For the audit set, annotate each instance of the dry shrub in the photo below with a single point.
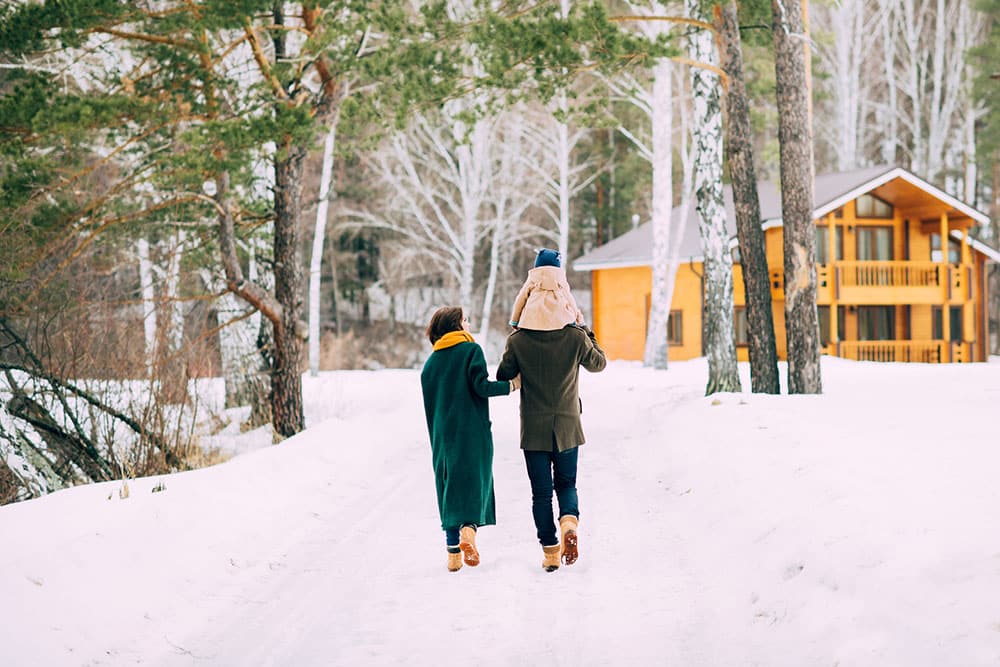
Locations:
(376, 346)
(194, 455)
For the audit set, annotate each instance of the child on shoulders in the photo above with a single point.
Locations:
(545, 302)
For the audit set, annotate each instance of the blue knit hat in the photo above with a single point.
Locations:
(547, 257)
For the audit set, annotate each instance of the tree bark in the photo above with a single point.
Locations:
(795, 143)
(756, 276)
(657, 352)
(994, 269)
(286, 378)
(148, 303)
(720, 347)
(319, 235)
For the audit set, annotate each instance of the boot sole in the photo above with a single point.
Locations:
(469, 554)
(570, 550)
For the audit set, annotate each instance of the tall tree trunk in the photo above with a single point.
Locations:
(795, 143)
(720, 348)
(656, 352)
(891, 114)
(175, 322)
(148, 304)
(563, 154)
(756, 276)
(316, 263)
(286, 377)
(994, 269)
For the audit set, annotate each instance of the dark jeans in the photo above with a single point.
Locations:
(451, 537)
(548, 471)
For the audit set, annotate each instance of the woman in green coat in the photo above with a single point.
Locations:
(456, 387)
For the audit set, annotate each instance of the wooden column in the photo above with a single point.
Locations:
(968, 298)
(831, 221)
(945, 290)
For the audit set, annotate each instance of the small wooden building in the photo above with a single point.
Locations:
(887, 292)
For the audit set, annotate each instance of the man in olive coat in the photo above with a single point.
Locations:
(549, 364)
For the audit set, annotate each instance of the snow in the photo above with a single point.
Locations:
(857, 527)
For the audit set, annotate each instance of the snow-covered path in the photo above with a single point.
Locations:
(852, 528)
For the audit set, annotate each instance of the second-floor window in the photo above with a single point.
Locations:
(874, 244)
(823, 244)
(954, 250)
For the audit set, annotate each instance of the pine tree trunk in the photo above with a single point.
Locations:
(795, 143)
(756, 277)
(286, 378)
(720, 347)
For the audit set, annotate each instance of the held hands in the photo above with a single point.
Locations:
(515, 384)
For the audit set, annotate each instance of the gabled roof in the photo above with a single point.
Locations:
(830, 192)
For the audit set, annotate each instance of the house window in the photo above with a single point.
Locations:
(874, 244)
(876, 323)
(824, 324)
(954, 250)
(870, 206)
(823, 242)
(675, 328)
(740, 329)
(675, 325)
(954, 321)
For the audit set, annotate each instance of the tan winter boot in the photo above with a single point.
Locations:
(567, 526)
(454, 561)
(550, 558)
(467, 543)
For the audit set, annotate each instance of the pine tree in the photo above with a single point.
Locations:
(795, 138)
(200, 95)
(753, 259)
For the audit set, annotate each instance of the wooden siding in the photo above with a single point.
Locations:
(620, 301)
(621, 296)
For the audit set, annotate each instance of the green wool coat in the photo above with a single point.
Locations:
(549, 363)
(456, 388)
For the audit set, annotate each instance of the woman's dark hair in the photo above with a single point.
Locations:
(444, 320)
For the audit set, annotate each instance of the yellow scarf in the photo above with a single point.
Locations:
(453, 338)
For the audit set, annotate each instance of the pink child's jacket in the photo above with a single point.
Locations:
(545, 302)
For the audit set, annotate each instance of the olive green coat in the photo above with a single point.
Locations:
(456, 388)
(549, 363)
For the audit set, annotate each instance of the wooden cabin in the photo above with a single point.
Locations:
(887, 292)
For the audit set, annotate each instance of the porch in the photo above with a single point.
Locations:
(917, 351)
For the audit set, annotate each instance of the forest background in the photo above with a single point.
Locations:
(256, 189)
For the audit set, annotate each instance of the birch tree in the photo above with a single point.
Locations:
(319, 235)
(446, 198)
(851, 24)
(717, 330)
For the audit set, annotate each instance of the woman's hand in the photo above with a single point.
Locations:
(515, 384)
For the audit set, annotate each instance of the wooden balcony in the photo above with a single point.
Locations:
(919, 351)
(880, 283)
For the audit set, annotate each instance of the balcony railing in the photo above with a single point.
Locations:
(928, 351)
(890, 274)
(886, 282)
